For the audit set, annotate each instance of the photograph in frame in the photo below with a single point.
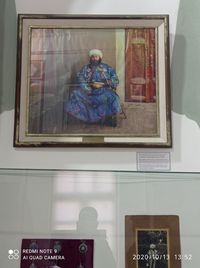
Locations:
(93, 81)
(152, 241)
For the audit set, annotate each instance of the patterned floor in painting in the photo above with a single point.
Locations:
(137, 119)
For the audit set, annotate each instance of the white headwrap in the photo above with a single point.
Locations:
(96, 52)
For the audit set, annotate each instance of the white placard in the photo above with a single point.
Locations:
(153, 161)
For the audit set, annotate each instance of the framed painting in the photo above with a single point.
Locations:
(152, 241)
(93, 81)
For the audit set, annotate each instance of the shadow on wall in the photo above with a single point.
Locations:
(186, 61)
(8, 33)
(2, 9)
(87, 225)
(178, 74)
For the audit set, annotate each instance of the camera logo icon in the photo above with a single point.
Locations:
(13, 254)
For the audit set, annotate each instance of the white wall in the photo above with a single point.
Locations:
(186, 133)
(28, 200)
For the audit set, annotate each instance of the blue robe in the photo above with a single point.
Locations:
(93, 105)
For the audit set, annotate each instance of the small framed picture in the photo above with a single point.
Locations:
(93, 81)
(152, 241)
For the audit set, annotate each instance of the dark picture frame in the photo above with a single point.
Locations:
(152, 241)
(131, 106)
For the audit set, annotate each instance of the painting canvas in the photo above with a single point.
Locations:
(93, 81)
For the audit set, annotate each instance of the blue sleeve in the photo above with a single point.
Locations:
(112, 76)
(82, 79)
